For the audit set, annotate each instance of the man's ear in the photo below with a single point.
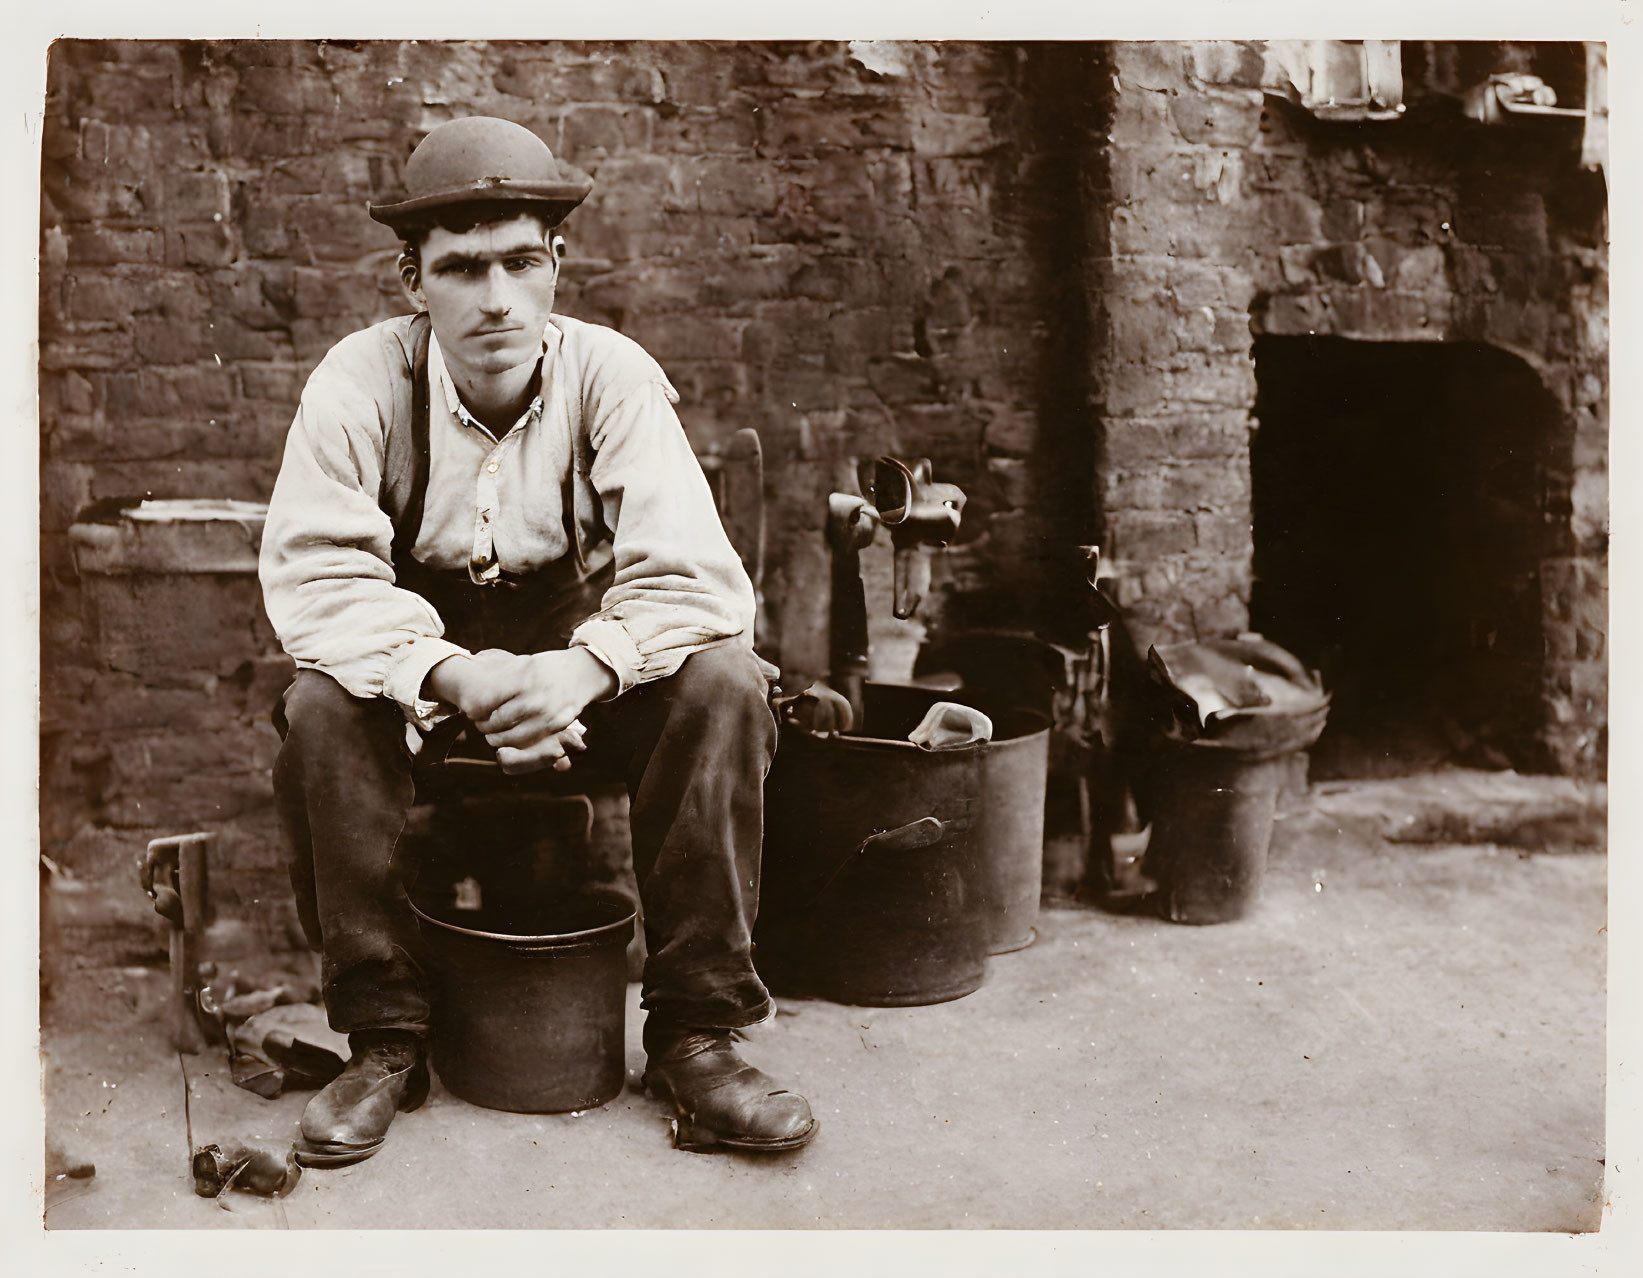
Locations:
(410, 275)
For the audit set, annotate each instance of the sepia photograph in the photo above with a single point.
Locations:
(897, 634)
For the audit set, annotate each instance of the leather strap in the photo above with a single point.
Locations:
(408, 522)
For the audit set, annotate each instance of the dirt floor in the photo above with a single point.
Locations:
(1403, 1035)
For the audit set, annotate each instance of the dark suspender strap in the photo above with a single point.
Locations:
(409, 523)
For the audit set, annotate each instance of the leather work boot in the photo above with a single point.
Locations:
(720, 1101)
(348, 1120)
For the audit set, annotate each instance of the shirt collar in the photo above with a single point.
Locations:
(439, 376)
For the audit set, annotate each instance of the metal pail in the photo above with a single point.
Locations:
(867, 895)
(1006, 849)
(529, 1000)
(1211, 829)
(1010, 851)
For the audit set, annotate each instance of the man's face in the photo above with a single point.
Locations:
(489, 292)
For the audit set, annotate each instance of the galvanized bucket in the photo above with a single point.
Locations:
(865, 897)
(1006, 850)
(891, 872)
(529, 1000)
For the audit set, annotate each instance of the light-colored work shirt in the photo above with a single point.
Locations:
(597, 468)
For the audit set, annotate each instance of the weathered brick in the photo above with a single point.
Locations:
(1011, 432)
(102, 246)
(105, 349)
(856, 335)
(69, 392)
(260, 137)
(1222, 118)
(1141, 536)
(1419, 268)
(689, 336)
(158, 392)
(1293, 314)
(905, 377)
(803, 126)
(1014, 482)
(194, 197)
(1514, 220)
(1143, 232)
(1220, 381)
(1368, 313)
(1175, 486)
(1196, 329)
(78, 191)
(526, 73)
(804, 65)
(1194, 284)
(255, 53)
(1141, 118)
(711, 184)
(97, 295)
(1343, 218)
(945, 133)
(717, 384)
(278, 383)
(1349, 264)
(132, 93)
(1292, 217)
(1224, 534)
(593, 131)
(1232, 332)
(283, 90)
(1144, 330)
(203, 244)
(1151, 65)
(1233, 62)
(697, 129)
(319, 291)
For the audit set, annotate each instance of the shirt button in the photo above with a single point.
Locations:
(492, 468)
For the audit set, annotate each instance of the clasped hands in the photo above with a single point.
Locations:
(527, 704)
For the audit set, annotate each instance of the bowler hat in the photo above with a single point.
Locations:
(483, 159)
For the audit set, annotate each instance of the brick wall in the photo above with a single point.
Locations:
(1495, 236)
(848, 250)
(1041, 265)
(1231, 213)
(1173, 367)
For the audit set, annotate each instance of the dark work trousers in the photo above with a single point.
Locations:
(694, 748)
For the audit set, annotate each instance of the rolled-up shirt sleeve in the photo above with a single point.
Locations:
(679, 585)
(326, 561)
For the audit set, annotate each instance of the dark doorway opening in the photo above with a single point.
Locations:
(1398, 498)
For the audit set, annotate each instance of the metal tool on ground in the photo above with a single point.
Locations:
(287, 1048)
(265, 1167)
(256, 1166)
(175, 875)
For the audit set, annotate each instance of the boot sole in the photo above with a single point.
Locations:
(338, 1156)
(699, 1140)
(694, 1138)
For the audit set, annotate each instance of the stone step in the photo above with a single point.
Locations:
(1461, 805)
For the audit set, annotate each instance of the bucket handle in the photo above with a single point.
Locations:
(904, 838)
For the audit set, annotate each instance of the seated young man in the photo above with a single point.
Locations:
(490, 510)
